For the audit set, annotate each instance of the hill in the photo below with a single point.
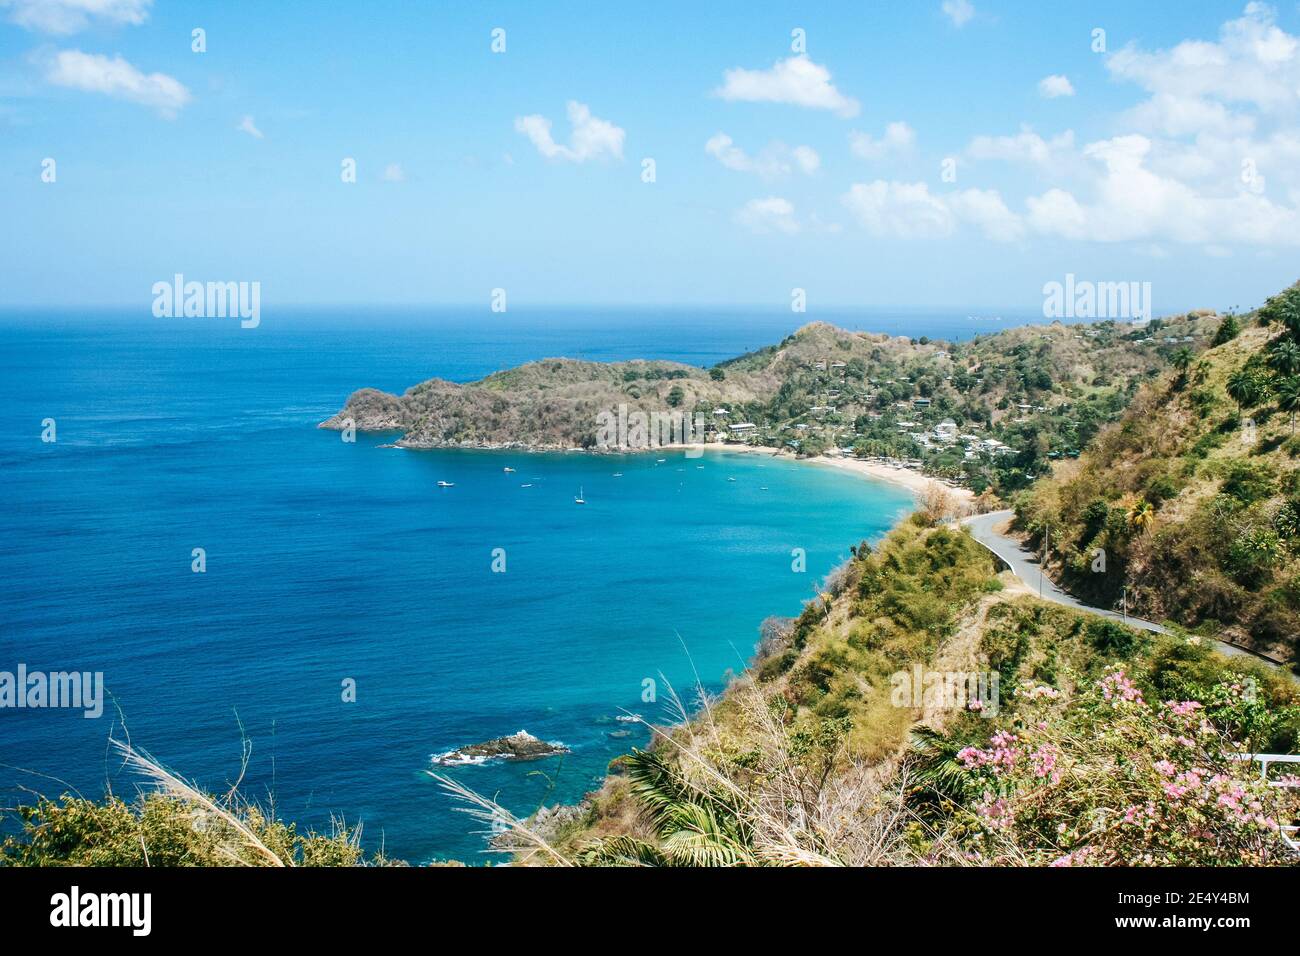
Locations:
(1189, 506)
(991, 412)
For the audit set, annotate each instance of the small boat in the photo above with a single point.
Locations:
(618, 474)
(508, 470)
(446, 484)
(579, 500)
(660, 461)
(529, 485)
(731, 479)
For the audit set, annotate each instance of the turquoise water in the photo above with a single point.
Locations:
(328, 561)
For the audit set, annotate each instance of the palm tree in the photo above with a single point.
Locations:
(695, 825)
(1243, 388)
(1284, 357)
(1288, 397)
(1141, 516)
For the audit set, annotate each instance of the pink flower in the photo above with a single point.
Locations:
(1118, 689)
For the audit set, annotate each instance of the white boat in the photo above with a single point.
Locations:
(731, 479)
(446, 484)
(507, 470)
(579, 500)
(618, 474)
(529, 485)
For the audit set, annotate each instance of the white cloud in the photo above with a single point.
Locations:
(95, 73)
(1209, 158)
(1253, 64)
(1025, 147)
(1134, 203)
(772, 214)
(68, 16)
(898, 138)
(984, 209)
(393, 173)
(807, 159)
(911, 211)
(591, 137)
(774, 161)
(1050, 87)
(960, 12)
(902, 210)
(246, 125)
(797, 81)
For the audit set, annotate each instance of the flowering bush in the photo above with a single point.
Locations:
(1116, 780)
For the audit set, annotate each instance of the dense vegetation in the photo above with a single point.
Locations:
(1191, 504)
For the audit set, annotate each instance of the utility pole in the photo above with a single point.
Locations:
(1042, 561)
(1125, 604)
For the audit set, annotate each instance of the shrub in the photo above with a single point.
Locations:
(1113, 638)
(1249, 481)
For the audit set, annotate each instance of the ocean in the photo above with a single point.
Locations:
(329, 565)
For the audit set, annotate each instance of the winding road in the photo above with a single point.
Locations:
(1024, 565)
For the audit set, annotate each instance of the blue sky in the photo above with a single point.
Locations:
(1173, 157)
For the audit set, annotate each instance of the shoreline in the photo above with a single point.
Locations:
(913, 481)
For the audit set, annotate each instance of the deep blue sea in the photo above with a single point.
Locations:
(327, 561)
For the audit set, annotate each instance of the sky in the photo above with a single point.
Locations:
(955, 153)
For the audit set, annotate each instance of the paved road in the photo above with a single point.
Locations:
(1027, 568)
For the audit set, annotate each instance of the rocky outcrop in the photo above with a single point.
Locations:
(520, 746)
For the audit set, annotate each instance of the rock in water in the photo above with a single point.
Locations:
(520, 746)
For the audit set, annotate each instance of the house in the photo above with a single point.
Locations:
(921, 402)
(743, 427)
(946, 430)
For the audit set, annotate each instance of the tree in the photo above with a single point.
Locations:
(935, 502)
(675, 396)
(1228, 330)
(1288, 397)
(717, 374)
(1141, 516)
(1243, 388)
(1284, 357)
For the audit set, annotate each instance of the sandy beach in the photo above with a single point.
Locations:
(914, 481)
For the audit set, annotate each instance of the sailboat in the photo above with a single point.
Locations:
(579, 500)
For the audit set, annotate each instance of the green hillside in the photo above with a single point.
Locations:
(1190, 505)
